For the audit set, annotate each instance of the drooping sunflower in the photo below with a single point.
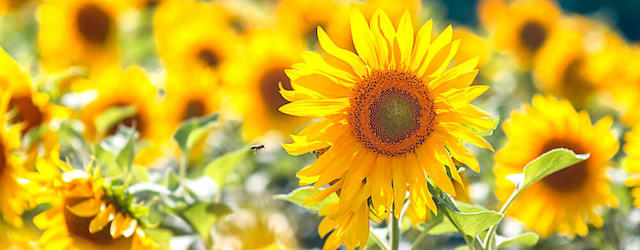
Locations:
(254, 229)
(117, 88)
(81, 215)
(563, 202)
(522, 27)
(194, 36)
(578, 60)
(267, 54)
(14, 197)
(78, 32)
(391, 116)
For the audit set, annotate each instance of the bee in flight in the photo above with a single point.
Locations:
(257, 147)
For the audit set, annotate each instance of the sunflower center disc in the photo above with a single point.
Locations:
(79, 226)
(208, 58)
(28, 112)
(195, 108)
(93, 23)
(572, 177)
(269, 88)
(391, 112)
(532, 35)
(394, 115)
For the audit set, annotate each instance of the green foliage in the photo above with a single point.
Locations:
(219, 168)
(299, 195)
(526, 239)
(116, 153)
(192, 130)
(204, 215)
(547, 164)
(112, 116)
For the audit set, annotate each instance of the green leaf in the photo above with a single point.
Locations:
(192, 130)
(489, 132)
(219, 168)
(140, 173)
(526, 239)
(473, 219)
(160, 236)
(547, 164)
(202, 216)
(116, 153)
(113, 116)
(299, 195)
(442, 227)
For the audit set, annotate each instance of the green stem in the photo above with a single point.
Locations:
(182, 169)
(394, 230)
(378, 241)
(488, 241)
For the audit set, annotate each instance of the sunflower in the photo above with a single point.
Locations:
(392, 116)
(18, 238)
(522, 27)
(471, 45)
(563, 202)
(32, 108)
(11, 5)
(577, 61)
(81, 215)
(267, 54)
(632, 162)
(118, 88)
(254, 229)
(78, 32)
(13, 199)
(194, 36)
(625, 87)
(302, 17)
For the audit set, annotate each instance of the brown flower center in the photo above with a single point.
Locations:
(533, 35)
(195, 108)
(270, 91)
(391, 112)
(208, 58)
(28, 112)
(570, 178)
(94, 23)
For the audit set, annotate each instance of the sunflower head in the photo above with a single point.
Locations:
(522, 27)
(78, 32)
(563, 202)
(83, 215)
(390, 117)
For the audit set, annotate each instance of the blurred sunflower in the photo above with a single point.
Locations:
(563, 202)
(78, 32)
(577, 61)
(632, 162)
(303, 17)
(471, 45)
(255, 95)
(82, 216)
(387, 115)
(10, 5)
(32, 108)
(522, 27)
(254, 229)
(14, 197)
(625, 85)
(129, 94)
(194, 36)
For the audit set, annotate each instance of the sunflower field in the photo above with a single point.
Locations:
(319, 124)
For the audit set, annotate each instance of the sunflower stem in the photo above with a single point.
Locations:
(394, 230)
(488, 241)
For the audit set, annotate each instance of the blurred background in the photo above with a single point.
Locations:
(175, 60)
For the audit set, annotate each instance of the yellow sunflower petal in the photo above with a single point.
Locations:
(315, 107)
(102, 219)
